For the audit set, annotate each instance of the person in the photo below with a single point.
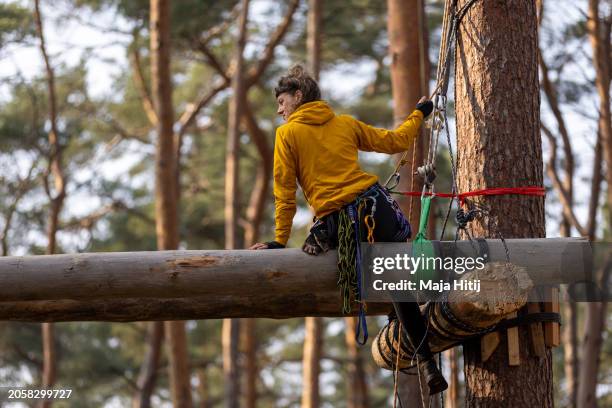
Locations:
(318, 149)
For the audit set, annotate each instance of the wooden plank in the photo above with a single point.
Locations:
(488, 344)
(514, 354)
(552, 336)
(536, 332)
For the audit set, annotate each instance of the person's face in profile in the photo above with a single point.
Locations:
(288, 103)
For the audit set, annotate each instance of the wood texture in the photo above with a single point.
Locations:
(219, 273)
(499, 145)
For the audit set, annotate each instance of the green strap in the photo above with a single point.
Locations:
(421, 246)
(425, 207)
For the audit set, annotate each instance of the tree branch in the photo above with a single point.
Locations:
(141, 85)
(220, 28)
(256, 72)
(554, 176)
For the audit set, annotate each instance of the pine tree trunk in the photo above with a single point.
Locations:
(231, 327)
(166, 197)
(599, 35)
(250, 362)
(570, 351)
(231, 378)
(357, 384)
(313, 338)
(499, 145)
(254, 213)
(408, 44)
(451, 399)
(312, 357)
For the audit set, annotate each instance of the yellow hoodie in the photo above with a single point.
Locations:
(319, 150)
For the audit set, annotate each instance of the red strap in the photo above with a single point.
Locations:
(532, 191)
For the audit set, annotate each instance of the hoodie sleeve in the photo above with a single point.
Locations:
(371, 139)
(285, 186)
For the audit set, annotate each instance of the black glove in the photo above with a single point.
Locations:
(318, 240)
(425, 107)
(310, 245)
(274, 245)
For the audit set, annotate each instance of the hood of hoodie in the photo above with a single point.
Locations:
(312, 113)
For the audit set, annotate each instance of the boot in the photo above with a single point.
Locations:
(433, 376)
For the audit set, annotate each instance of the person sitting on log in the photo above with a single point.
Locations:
(318, 149)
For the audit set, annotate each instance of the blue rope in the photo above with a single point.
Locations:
(361, 319)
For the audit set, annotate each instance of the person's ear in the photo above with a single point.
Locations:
(298, 96)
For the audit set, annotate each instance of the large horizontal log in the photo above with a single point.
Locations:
(180, 285)
(183, 274)
(196, 308)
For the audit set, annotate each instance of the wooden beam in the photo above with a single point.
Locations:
(551, 329)
(181, 285)
(514, 354)
(194, 308)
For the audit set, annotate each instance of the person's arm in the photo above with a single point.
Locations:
(285, 186)
(374, 139)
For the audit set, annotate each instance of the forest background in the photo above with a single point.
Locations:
(78, 136)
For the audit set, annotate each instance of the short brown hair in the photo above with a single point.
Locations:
(297, 79)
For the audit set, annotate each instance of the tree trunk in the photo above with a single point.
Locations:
(313, 326)
(250, 362)
(451, 399)
(254, 215)
(166, 197)
(408, 45)
(231, 378)
(148, 370)
(56, 199)
(599, 35)
(570, 351)
(499, 145)
(312, 356)
(357, 384)
(203, 387)
(231, 328)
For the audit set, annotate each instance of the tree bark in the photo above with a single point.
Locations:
(313, 326)
(598, 29)
(231, 327)
(241, 273)
(499, 145)
(166, 188)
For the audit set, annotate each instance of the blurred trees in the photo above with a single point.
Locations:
(109, 157)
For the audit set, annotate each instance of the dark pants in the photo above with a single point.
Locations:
(391, 226)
